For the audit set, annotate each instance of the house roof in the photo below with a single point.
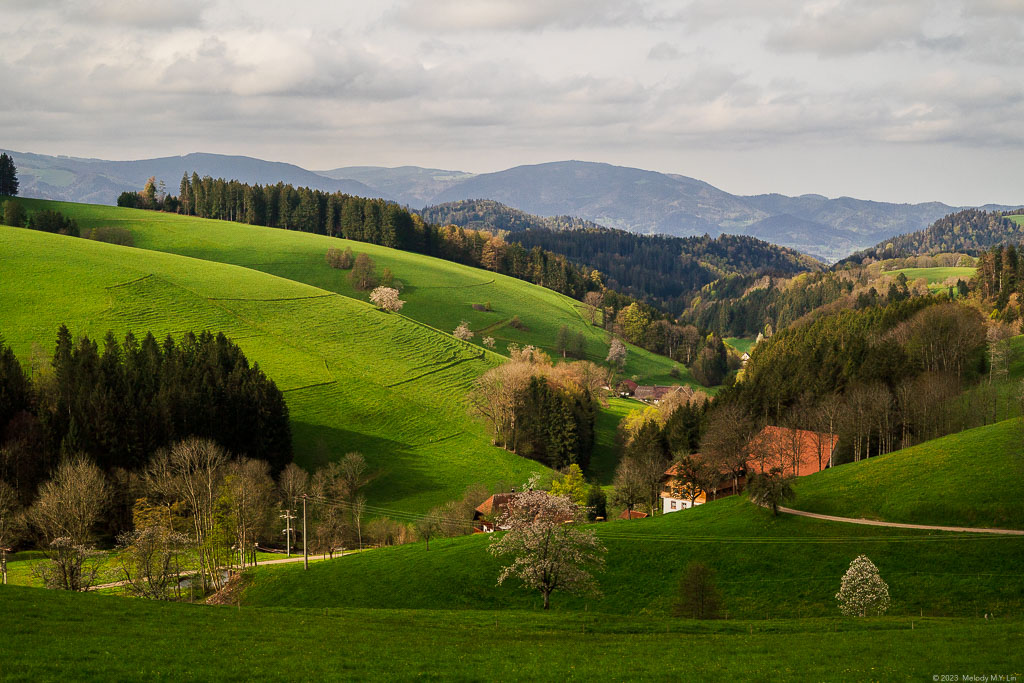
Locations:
(795, 450)
(632, 514)
(656, 392)
(628, 384)
(494, 504)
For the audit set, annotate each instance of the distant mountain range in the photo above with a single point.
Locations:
(631, 199)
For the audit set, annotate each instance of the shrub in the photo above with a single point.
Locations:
(698, 598)
(342, 260)
(363, 275)
(517, 323)
(53, 221)
(14, 213)
(112, 235)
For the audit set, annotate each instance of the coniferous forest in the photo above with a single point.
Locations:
(121, 401)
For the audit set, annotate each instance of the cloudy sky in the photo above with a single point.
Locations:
(880, 99)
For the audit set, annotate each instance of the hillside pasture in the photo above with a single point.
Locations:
(973, 478)
(438, 293)
(767, 567)
(937, 276)
(741, 344)
(354, 378)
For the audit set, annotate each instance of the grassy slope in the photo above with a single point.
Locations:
(741, 344)
(779, 567)
(438, 293)
(974, 478)
(935, 276)
(606, 447)
(354, 378)
(1019, 220)
(49, 634)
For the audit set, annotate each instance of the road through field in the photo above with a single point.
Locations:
(897, 525)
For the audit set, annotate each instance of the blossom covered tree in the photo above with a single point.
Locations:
(463, 332)
(617, 353)
(549, 552)
(386, 299)
(863, 592)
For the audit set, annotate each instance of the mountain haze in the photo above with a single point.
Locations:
(645, 202)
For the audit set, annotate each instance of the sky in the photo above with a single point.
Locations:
(891, 100)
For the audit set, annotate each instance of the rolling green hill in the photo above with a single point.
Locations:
(974, 478)
(935, 276)
(438, 293)
(767, 566)
(354, 378)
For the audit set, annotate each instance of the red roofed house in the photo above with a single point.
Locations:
(798, 452)
(632, 514)
(657, 393)
(627, 387)
(487, 512)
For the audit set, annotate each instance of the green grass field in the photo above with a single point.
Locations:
(974, 478)
(1018, 219)
(741, 344)
(768, 567)
(935, 276)
(606, 447)
(46, 635)
(354, 378)
(438, 293)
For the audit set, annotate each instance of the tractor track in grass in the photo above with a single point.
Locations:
(899, 525)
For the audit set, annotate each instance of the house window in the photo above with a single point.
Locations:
(673, 503)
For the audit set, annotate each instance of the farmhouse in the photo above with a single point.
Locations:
(654, 394)
(674, 492)
(627, 387)
(487, 512)
(797, 452)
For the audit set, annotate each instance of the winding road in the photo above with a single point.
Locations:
(897, 525)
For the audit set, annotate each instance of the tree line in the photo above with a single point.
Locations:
(121, 402)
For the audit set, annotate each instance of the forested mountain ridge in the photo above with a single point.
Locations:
(628, 198)
(970, 231)
(487, 214)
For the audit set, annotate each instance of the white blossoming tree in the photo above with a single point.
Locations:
(863, 592)
(463, 332)
(549, 552)
(489, 342)
(386, 299)
(617, 353)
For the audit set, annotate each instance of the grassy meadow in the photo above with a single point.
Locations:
(741, 344)
(767, 567)
(355, 379)
(973, 478)
(935, 276)
(48, 634)
(438, 293)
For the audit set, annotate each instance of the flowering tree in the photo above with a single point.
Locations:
(863, 592)
(548, 551)
(617, 353)
(463, 332)
(489, 342)
(386, 299)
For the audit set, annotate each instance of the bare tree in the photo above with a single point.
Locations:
(726, 440)
(10, 523)
(497, 396)
(192, 472)
(363, 275)
(69, 506)
(592, 304)
(549, 552)
(248, 493)
(149, 560)
(630, 487)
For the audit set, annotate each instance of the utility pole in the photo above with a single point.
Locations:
(305, 547)
(288, 517)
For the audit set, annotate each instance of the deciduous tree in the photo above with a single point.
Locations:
(863, 593)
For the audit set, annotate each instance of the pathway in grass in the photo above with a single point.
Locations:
(974, 478)
(355, 379)
(766, 566)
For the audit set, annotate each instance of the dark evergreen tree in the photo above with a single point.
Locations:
(8, 176)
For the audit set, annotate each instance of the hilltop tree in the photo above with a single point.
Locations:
(549, 552)
(8, 177)
(863, 592)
